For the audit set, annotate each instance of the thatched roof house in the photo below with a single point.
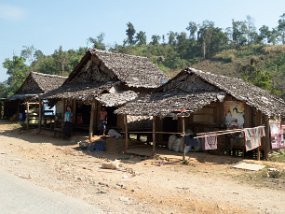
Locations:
(206, 103)
(36, 84)
(193, 89)
(100, 72)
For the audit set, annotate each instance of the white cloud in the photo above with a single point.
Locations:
(11, 13)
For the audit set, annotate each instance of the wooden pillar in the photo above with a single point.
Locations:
(126, 133)
(260, 123)
(268, 139)
(27, 115)
(91, 124)
(153, 134)
(74, 112)
(183, 135)
(40, 114)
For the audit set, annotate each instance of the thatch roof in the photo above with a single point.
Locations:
(116, 98)
(193, 89)
(98, 71)
(134, 71)
(87, 91)
(36, 84)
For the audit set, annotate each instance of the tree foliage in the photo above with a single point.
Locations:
(174, 51)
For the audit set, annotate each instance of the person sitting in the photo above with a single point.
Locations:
(191, 142)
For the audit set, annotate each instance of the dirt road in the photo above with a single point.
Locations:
(21, 196)
(208, 184)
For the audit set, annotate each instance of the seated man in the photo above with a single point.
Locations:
(191, 142)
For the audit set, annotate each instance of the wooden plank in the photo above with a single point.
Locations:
(91, 124)
(153, 134)
(150, 132)
(126, 133)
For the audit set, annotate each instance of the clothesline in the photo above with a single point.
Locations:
(222, 132)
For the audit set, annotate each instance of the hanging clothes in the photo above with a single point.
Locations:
(253, 137)
(210, 142)
(276, 133)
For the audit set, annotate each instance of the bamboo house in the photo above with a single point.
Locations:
(202, 102)
(107, 79)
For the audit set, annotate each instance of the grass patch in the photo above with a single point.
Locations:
(277, 156)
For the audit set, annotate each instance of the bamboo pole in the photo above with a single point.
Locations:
(27, 115)
(91, 124)
(126, 133)
(153, 134)
(183, 136)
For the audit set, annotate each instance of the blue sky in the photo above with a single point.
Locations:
(48, 24)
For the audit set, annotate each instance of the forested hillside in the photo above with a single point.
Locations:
(242, 50)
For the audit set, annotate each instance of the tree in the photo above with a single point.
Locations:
(172, 38)
(281, 27)
(17, 71)
(264, 34)
(38, 54)
(239, 30)
(98, 41)
(182, 44)
(252, 36)
(61, 59)
(192, 28)
(141, 38)
(28, 53)
(130, 32)
(211, 39)
(155, 39)
(274, 36)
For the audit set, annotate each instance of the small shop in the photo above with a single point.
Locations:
(30, 110)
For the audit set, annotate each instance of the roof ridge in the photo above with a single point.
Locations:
(94, 51)
(49, 75)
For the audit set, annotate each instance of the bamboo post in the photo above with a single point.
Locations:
(183, 136)
(126, 133)
(40, 114)
(91, 124)
(153, 134)
(27, 115)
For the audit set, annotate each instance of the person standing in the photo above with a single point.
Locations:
(102, 126)
(67, 122)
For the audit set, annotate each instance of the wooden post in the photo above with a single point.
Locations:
(74, 112)
(91, 124)
(40, 114)
(268, 141)
(126, 133)
(27, 115)
(260, 123)
(153, 134)
(183, 136)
